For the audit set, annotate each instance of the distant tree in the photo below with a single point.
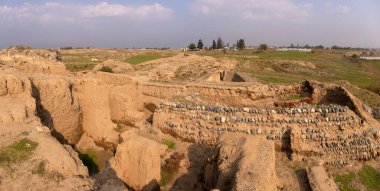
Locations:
(200, 44)
(213, 44)
(192, 46)
(306, 46)
(67, 48)
(240, 44)
(319, 47)
(219, 43)
(292, 45)
(263, 47)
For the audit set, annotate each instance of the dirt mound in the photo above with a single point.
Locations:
(319, 180)
(30, 158)
(116, 66)
(245, 163)
(142, 157)
(37, 54)
(17, 103)
(182, 68)
(58, 107)
(33, 60)
(93, 95)
(45, 163)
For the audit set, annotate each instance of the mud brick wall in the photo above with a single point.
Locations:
(316, 130)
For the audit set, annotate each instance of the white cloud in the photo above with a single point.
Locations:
(56, 12)
(333, 8)
(253, 9)
(104, 9)
(154, 9)
(343, 9)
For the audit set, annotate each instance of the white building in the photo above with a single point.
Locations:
(294, 49)
(369, 58)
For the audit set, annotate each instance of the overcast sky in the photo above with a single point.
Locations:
(176, 23)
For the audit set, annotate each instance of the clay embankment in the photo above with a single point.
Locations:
(93, 104)
(35, 61)
(333, 133)
(19, 123)
(243, 162)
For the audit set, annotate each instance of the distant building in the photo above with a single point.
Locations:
(369, 58)
(294, 49)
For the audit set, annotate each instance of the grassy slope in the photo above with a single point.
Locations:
(81, 60)
(344, 181)
(17, 152)
(292, 67)
(370, 178)
(282, 67)
(367, 177)
(146, 57)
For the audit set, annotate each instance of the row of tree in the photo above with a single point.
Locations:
(218, 44)
(240, 45)
(335, 47)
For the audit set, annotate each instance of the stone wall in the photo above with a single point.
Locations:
(333, 132)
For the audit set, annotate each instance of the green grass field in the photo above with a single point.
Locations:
(146, 57)
(270, 67)
(370, 178)
(79, 67)
(80, 60)
(291, 67)
(344, 181)
(274, 67)
(367, 177)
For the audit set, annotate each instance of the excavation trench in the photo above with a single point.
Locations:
(95, 125)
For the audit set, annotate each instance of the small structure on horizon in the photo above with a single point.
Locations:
(369, 58)
(294, 49)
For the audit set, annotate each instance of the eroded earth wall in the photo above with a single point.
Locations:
(333, 132)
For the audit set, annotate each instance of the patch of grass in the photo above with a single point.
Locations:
(370, 178)
(40, 169)
(167, 174)
(269, 55)
(17, 152)
(375, 88)
(106, 69)
(170, 144)
(119, 127)
(146, 57)
(55, 175)
(79, 67)
(90, 159)
(295, 97)
(344, 181)
(295, 165)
